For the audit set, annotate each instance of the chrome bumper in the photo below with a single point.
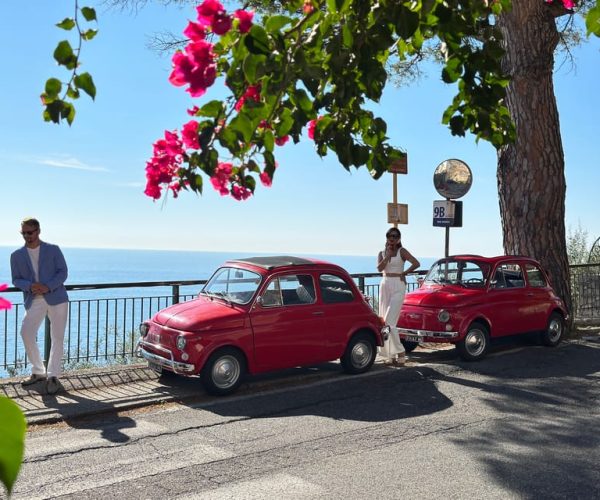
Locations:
(175, 366)
(422, 334)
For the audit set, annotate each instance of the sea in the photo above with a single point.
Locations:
(101, 266)
(96, 332)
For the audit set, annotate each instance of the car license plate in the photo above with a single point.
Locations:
(412, 338)
(155, 367)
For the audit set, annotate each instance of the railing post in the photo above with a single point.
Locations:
(361, 283)
(175, 294)
(47, 340)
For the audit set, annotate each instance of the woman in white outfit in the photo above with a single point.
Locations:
(390, 262)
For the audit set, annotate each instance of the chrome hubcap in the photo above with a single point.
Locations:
(361, 354)
(226, 372)
(554, 330)
(475, 342)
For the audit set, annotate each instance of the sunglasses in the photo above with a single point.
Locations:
(29, 233)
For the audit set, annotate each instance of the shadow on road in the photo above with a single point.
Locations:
(543, 439)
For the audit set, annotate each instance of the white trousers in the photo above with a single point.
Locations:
(29, 329)
(391, 296)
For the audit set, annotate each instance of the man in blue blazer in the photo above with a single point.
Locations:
(40, 271)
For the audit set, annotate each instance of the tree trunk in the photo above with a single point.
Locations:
(531, 180)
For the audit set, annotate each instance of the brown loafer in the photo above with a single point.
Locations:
(34, 378)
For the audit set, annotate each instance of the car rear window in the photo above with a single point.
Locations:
(335, 289)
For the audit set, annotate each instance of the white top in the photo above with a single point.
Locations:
(34, 256)
(395, 264)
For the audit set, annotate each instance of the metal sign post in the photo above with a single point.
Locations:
(397, 212)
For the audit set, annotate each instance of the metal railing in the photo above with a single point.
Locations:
(103, 329)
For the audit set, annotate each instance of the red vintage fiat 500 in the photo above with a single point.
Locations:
(468, 300)
(262, 314)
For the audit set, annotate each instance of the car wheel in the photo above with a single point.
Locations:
(554, 331)
(223, 372)
(360, 354)
(475, 344)
(409, 346)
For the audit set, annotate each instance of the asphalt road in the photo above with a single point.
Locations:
(523, 423)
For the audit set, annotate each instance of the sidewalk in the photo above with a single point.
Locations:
(125, 387)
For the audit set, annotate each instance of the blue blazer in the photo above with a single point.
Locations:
(52, 273)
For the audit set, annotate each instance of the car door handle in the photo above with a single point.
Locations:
(318, 313)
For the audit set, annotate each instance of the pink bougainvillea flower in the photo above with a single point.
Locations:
(311, 129)
(207, 10)
(265, 179)
(569, 4)
(221, 23)
(240, 193)
(165, 162)
(252, 92)
(308, 7)
(189, 135)
(280, 141)
(245, 19)
(153, 191)
(194, 66)
(220, 179)
(4, 304)
(193, 111)
(195, 31)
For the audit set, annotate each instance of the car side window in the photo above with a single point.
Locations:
(535, 277)
(289, 289)
(335, 289)
(508, 276)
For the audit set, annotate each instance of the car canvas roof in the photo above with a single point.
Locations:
(272, 262)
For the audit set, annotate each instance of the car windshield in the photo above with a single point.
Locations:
(466, 273)
(232, 284)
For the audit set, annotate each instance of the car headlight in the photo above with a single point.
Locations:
(181, 343)
(444, 316)
(144, 329)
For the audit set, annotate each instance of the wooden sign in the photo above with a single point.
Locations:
(397, 213)
(399, 166)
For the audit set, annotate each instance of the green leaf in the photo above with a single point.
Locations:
(85, 83)
(257, 40)
(63, 54)
(407, 22)
(53, 110)
(66, 24)
(592, 21)
(251, 65)
(72, 92)
(12, 441)
(212, 108)
(452, 71)
(269, 140)
(89, 34)
(68, 112)
(89, 13)
(53, 87)
(275, 23)
(242, 126)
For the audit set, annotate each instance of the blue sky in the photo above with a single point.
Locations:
(85, 183)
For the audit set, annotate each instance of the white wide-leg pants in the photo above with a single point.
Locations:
(29, 328)
(391, 296)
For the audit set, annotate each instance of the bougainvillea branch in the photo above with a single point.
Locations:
(58, 96)
(324, 59)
